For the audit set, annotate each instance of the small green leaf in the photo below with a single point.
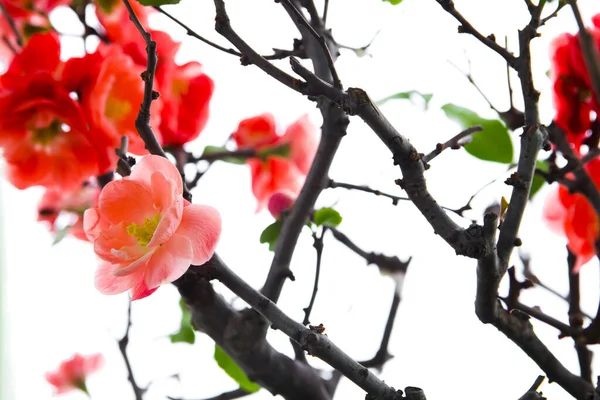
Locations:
(493, 143)
(410, 95)
(157, 2)
(327, 217)
(234, 371)
(271, 234)
(186, 332)
(107, 6)
(60, 235)
(538, 181)
(216, 149)
(393, 2)
(281, 151)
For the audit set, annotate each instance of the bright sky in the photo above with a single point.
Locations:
(52, 310)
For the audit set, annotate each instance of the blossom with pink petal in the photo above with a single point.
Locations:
(280, 202)
(284, 159)
(145, 233)
(72, 373)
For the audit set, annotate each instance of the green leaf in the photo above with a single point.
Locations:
(186, 332)
(393, 2)
(493, 143)
(234, 371)
(281, 151)
(157, 2)
(107, 6)
(327, 217)
(60, 235)
(271, 234)
(538, 181)
(410, 95)
(216, 149)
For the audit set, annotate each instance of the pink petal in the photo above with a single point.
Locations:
(169, 221)
(169, 261)
(140, 290)
(106, 282)
(91, 223)
(126, 200)
(202, 225)
(163, 191)
(302, 137)
(148, 165)
(134, 266)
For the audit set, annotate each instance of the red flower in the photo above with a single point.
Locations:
(284, 160)
(572, 215)
(71, 204)
(30, 17)
(110, 90)
(572, 93)
(185, 90)
(280, 202)
(72, 373)
(43, 131)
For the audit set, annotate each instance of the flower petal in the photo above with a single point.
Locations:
(169, 261)
(202, 226)
(106, 282)
(127, 201)
(169, 221)
(148, 165)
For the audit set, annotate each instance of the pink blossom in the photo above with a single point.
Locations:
(145, 233)
(72, 373)
(280, 202)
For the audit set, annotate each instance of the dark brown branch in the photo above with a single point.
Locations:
(395, 199)
(301, 21)
(335, 122)
(123, 343)
(311, 340)
(453, 143)
(584, 355)
(516, 325)
(142, 122)
(532, 393)
(232, 395)
(386, 264)
(233, 331)
(318, 245)
(383, 354)
(466, 27)
(354, 101)
(278, 53)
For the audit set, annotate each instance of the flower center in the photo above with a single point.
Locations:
(44, 136)
(116, 109)
(143, 233)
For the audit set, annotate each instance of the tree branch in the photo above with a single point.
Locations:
(311, 340)
(123, 343)
(318, 245)
(454, 143)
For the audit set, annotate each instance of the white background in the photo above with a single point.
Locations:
(52, 310)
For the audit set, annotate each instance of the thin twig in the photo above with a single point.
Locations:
(532, 393)
(325, 11)
(386, 264)
(318, 245)
(299, 18)
(454, 143)
(142, 122)
(312, 340)
(220, 155)
(13, 25)
(584, 355)
(383, 354)
(466, 27)
(231, 395)
(278, 54)
(123, 343)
